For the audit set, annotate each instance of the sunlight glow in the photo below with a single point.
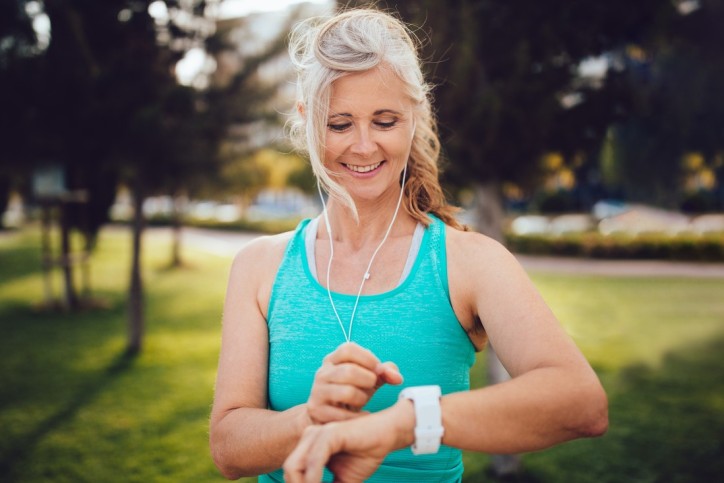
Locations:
(240, 8)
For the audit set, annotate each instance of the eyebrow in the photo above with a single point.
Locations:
(378, 112)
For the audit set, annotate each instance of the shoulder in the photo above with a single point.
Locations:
(261, 255)
(476, 250)
(481, 268)
(254, 269)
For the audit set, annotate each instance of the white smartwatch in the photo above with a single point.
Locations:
(428, 418)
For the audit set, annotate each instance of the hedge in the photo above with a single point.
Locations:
(659, 246)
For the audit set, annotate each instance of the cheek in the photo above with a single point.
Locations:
(400, 147)
(332, 150)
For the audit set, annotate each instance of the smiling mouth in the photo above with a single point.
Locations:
(363, 169)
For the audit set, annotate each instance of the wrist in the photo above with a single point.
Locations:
(303, 420)
(402, 420)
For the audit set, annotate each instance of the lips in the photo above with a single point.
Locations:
(363, 169)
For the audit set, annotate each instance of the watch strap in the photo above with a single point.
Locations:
(428, 418)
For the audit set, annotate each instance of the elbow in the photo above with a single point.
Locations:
(599, 424)
(230, 472)
(595, 427)
(227, 471)
(222, 461)
(594, 421)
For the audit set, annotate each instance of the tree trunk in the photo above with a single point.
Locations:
(70, 299)
(5, 191)
(179, 204)
(47, 254)
(135, 296)
(489, 219)
(489, 212)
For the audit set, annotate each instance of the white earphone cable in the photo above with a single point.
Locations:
(366, 276)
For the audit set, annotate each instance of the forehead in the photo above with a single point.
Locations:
(366, 92)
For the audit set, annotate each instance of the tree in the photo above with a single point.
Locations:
(100, 100)
(677, 104)
(19, 48)
(158, 141)
(50, 110)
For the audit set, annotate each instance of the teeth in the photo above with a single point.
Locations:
(363, 169)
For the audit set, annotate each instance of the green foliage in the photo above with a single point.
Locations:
(508, 89)
(675, 104)
(646, 246)
(102, 100)
(501, 69)
(558, 201)
(701, 202)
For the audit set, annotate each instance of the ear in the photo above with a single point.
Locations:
(300, 109)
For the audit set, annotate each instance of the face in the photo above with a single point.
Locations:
(369, 133)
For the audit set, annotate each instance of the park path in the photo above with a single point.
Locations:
(226, 243)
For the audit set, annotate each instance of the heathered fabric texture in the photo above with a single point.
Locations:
(412, 325)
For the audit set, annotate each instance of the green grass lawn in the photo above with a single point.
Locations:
(74, 408)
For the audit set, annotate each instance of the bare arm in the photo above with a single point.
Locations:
(245, 437)
(553, 395)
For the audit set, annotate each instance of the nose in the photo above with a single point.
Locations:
(363, 144)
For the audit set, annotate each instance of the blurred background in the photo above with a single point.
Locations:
(143, 143)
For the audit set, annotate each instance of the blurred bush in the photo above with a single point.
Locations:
(661, 246)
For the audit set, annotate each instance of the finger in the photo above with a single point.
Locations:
(351, 352)
(348, 373)
(388, 373)
(342, 395)
(327, 414)
(319, 452)
(296, 463)
(306, 462)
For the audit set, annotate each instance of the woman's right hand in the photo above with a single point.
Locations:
(346, 381)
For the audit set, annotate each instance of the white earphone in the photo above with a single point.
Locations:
(348, 332)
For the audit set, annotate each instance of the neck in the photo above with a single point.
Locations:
(374, 220)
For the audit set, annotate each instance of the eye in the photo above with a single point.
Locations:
(339, 127)
(386, 124)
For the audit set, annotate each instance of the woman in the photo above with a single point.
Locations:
(386, 273)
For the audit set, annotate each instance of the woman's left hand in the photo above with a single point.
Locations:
(352, 450)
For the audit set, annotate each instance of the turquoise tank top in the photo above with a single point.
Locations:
(413, 326)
